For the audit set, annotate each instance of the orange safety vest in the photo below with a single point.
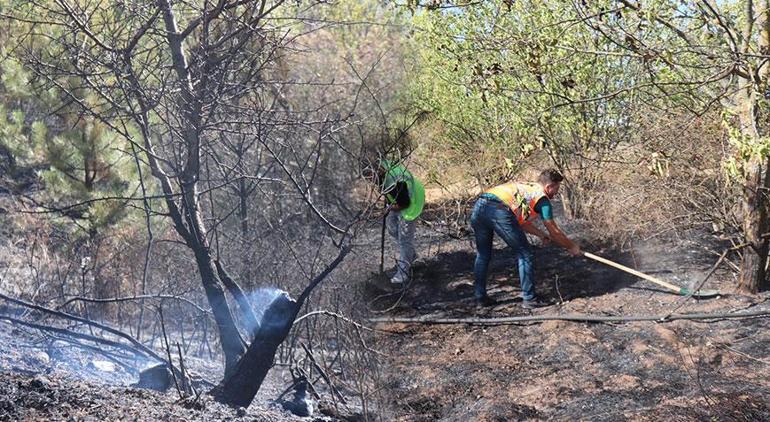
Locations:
(520, 197)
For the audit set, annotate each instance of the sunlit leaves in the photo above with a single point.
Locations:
(522, 75)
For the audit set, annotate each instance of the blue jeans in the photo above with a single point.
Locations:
(490, 215)
(403, 232)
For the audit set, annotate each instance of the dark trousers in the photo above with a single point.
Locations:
(490, 216)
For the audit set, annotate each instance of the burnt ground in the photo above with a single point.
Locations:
(558, 370)
(555, 370)
(46, 378)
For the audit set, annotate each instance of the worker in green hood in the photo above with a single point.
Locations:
(406, 197)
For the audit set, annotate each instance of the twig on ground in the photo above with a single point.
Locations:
(698, 380)
(401, 293)
(364, 345)
(556, 285)
(168, 350)
(323, 374)
(738, 352)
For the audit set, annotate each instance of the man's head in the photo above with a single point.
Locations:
(550, 179)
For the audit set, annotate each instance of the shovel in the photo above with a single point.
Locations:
(703, 293)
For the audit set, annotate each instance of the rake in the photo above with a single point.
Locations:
(702, 293)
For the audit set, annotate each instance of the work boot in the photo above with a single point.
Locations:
(533, 303)
(399, 278)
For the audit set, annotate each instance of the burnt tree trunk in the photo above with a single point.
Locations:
(233, 345)
(247, 312)
(244, 382)
(240, 387)
(195, 230)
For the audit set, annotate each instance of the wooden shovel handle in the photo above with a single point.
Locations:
(634, 272)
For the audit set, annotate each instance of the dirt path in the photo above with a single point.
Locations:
(560, 370)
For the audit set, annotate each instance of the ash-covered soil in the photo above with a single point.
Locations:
(59, 397)
(43, 378)
(558, 370)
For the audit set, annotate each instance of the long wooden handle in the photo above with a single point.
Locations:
(634, 272)
(382, 240)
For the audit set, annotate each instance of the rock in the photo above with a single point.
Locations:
(156, 377)
(301, 404)
(102, 365)
(41, 357)
(38, 384)
(302, 407)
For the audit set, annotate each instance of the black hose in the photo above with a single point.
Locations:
(574, 318)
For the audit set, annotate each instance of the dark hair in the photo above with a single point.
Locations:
(550, 176)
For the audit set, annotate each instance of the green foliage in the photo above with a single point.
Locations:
(747, 149)
(511, 78)
(86, 163)
(700, 55)
(77, 158)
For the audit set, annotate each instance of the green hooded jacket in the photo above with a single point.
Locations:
(395, 173)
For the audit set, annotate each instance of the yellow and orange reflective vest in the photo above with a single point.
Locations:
(520, 197)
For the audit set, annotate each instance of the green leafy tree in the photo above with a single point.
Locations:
(700, 54)
(567, 77)
(507, 79)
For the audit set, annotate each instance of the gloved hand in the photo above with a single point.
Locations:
(575, 250)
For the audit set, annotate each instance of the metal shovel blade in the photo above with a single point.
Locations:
(702, 293)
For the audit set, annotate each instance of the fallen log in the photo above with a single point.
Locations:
(76, 335)
(134, 342)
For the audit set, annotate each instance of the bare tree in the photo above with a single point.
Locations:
(197, 90)
(700, 54)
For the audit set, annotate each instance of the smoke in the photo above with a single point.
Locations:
(25, 352)
(260, 300)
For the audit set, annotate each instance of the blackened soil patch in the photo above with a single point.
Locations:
(557, 370)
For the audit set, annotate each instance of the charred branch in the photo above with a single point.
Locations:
(235, 290)
(135, 343)
(76, 335)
